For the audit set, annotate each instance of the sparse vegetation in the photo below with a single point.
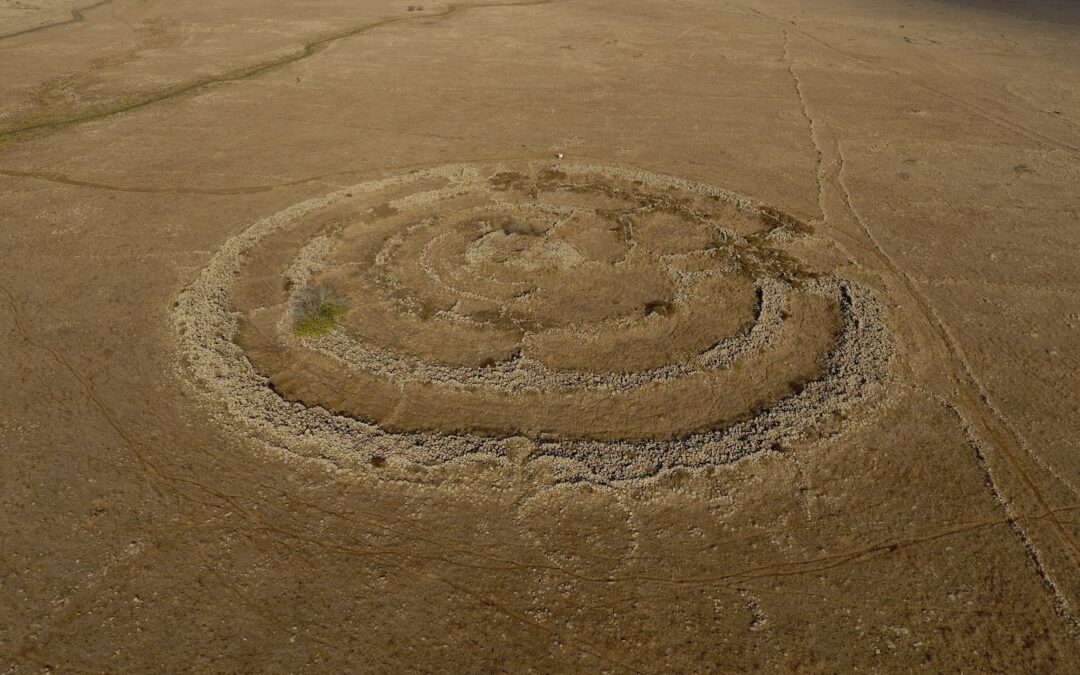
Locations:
(317, 311)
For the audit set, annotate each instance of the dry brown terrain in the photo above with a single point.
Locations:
(668, 336)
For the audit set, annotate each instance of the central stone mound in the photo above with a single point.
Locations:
(618, 319)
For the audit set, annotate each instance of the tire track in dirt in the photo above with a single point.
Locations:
(963, 373)
(134, 444)
(795, 567)
(81, 379)
(989, 416)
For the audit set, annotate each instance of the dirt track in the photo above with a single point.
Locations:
(164, 165)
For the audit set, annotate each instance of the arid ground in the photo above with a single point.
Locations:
(539, 336)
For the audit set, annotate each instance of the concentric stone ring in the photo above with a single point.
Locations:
(619, 322)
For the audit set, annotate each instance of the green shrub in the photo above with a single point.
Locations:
(317, 311)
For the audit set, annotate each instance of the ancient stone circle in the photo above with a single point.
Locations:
(616, 323)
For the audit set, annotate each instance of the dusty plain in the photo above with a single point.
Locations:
(526, 206)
